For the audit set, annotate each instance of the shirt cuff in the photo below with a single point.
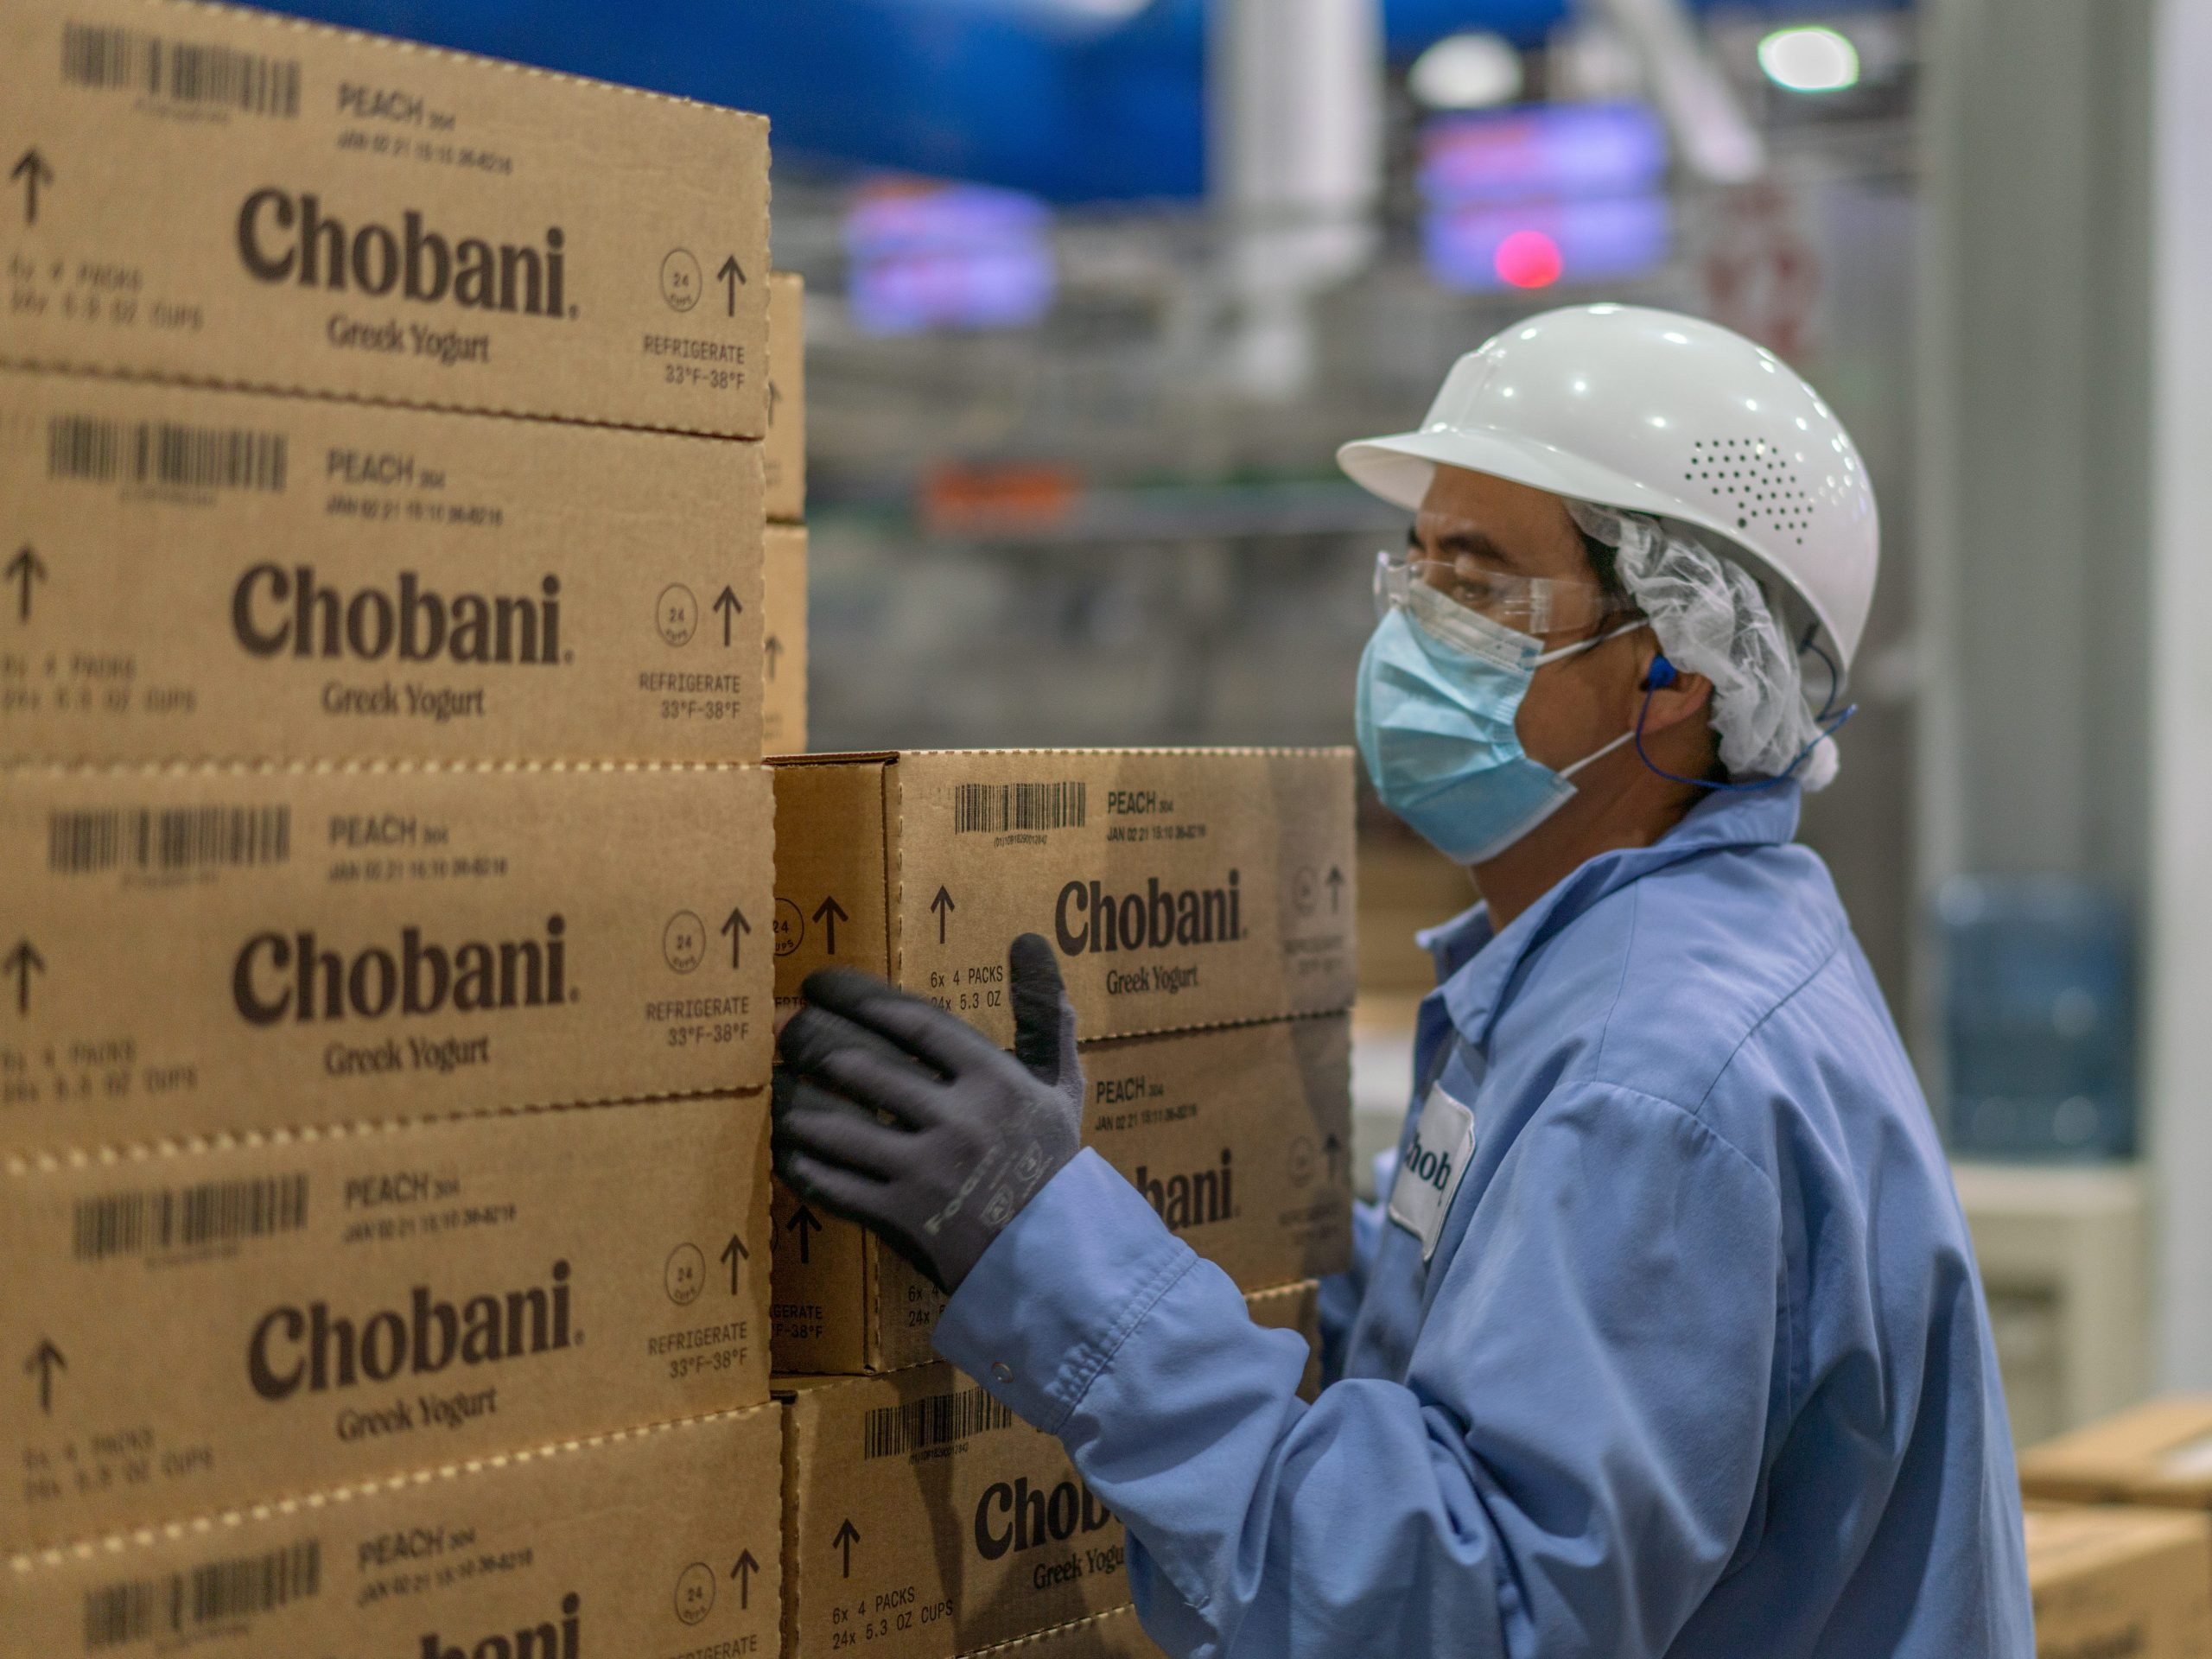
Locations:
(1060, 1290)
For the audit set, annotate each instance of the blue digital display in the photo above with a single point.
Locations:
(948, 256)
(1548, 150)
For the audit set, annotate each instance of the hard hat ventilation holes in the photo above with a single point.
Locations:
(1755, 479)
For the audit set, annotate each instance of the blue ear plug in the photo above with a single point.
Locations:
(1662, 674)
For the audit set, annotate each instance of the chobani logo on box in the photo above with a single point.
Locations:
(312, 1348)
(277, 612)
(1089, 919)
(1015, 1516)
(280, 976)
(287, 239)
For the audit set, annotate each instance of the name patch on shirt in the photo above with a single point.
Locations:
(1430, 1171)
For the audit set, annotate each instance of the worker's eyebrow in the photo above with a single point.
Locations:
(1458, 541)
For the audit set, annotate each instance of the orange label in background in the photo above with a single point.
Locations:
(964, 500)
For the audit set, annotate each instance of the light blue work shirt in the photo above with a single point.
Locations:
(1699, 1365)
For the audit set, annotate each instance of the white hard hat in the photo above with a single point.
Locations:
(1664, 414)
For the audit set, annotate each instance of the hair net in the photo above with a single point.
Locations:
(1711, 618)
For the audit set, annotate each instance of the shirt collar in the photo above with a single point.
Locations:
(1476, 964)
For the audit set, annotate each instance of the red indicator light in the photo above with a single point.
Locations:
(1527, 259)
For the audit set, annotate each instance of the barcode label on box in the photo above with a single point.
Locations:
(993, 809)
(122, 59)
(183, 1604)
(157, 1219)
(174, 841)
(936, 1419)
(162, 452)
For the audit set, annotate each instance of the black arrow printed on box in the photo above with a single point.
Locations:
(1336, 880)
(32, 169)
(732, 274)
(805, 1223)
(944, 906)
(23, 961)
(729, 605)
(829, 912)
(848, 1536)
(774, 648)
(743, 1571)
(733, 1252)
(46, 1360)
(736, 927)
(23, 569)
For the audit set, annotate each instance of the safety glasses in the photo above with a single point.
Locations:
(1431, 590)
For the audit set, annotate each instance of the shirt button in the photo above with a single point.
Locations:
(1001, 1372)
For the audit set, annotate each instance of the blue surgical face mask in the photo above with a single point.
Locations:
(1439, 686)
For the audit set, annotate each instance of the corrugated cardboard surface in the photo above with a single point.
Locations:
(785, 446)
(2158, 1453)
(637, 1544)
(923, 1520)
(257, 1319)
(1238, 1135)
(230, 197)
(2114, 1582)
(783, 640)
(1105, 1635)
(199, 950)
(1182, 888)
(227, 576)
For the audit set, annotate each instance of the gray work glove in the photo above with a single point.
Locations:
(906, 1119)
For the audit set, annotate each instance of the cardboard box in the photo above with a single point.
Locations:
(1104, 1635)
(1183, 887)
(783, 614)
(226, 576)
(785, 449)
(922, 1519)
(654, 1543)
(193, 950)
(2111, 1582)
(2158, 1453)
(229, 197)
(1240, 1136)
(259, 1319)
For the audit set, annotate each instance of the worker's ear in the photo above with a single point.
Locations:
(1673, 696)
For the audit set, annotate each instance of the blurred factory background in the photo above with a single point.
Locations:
(1096, 287)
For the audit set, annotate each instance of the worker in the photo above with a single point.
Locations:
(1666, 1337)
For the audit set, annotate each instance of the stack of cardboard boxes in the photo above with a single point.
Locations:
(1201, 904)
(2119, 1541)
(381, 674)
(402, 480)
